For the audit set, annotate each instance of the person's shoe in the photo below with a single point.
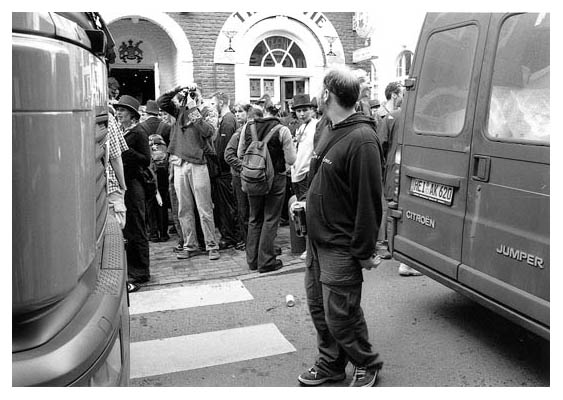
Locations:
(179, 247)
(304, 255)
(284, 222)
(241, 246)
(252, 267)
(312, 377)
(278, 265)
(214, 254)
(154, 238)
(132, 287)
(225, 245)
(364, 377)
(278, 251)
(384, 254)
(405, 270)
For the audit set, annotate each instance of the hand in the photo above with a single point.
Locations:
(372, 262)
(294, 205)
(158, 199)
(191, 103)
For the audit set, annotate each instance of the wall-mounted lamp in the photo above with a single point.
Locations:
(331, 40)
(230, 35)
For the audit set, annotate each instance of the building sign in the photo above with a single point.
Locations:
(365, 53)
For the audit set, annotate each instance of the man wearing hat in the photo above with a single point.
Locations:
(304, 135)
(137, 157)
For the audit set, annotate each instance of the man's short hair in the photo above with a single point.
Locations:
(393, 87)
(344, 85)
(254, 112)
(222, 97)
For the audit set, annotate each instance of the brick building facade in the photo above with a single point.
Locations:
(242, 54)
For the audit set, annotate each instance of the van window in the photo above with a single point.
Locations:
(443, 86)
(519, 109)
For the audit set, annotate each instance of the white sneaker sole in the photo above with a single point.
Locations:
(317, 382)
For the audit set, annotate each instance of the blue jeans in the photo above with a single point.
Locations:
(265, 212)
(342, 333)
(193, 188)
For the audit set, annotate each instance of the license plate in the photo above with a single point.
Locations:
(432, 191)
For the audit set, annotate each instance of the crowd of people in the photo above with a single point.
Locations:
(332, 152)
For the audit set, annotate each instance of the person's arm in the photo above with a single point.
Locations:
(117, 165)
(230, 155)
(116, 146)
(166, 102)
(288, 145)
(364, 175)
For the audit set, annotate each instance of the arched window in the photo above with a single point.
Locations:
(276, 51)
(404, 62)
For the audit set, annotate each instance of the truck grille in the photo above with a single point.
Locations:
(101, 181)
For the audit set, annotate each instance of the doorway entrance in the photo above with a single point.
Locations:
(289, 88)
(138, 83)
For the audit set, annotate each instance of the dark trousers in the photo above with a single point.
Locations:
(299, 188)
(242, 206)
(135, 231)
(225, 209)
(342, 333)
(263, 224)
(158, 215)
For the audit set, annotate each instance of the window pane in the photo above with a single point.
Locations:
(255, 88)
(443, 87)
(257, 55)
(520, 108)
(278, 42)
(278, 56)
(300, 87)
(289, 89)
(269, 61)
(298, 56)
(269, 87)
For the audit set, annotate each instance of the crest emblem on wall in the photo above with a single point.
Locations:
(130, 52)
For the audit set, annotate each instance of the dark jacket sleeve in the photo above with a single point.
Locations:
(139, 152)
(365, 179)
(165, 102)
(231, 153)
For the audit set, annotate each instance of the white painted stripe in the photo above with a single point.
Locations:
(183, 353)
(188, 296)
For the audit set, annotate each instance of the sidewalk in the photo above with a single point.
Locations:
(167, 269)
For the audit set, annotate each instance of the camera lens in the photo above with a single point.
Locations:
(193, 95)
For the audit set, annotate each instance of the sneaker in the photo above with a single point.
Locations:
(405, 270)
(179, 247)
(312, 377)
(364, 377)
(214, 254)
(304, 255)
(184, 254)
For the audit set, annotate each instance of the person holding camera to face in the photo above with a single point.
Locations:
(190, 141)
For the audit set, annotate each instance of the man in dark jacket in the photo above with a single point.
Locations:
(343, 213)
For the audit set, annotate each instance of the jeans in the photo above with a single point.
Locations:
(193, 188)
(342, 333)
(242, 206)
(225, 211)
(135, 231)
(265, 212)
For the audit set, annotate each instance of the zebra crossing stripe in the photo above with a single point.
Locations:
(183, 353)
(188, 296)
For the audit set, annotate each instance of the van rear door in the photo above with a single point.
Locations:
(437, 132)
(506, 235)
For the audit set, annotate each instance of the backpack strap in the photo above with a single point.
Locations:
(271, 133)
(253, 133)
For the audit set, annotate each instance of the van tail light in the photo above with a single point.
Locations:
(396, 174)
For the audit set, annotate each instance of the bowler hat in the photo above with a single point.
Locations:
(152, 107)
(301, 100)
(128, 102)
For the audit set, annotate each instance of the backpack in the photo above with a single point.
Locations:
(257, 173)
(159, 154)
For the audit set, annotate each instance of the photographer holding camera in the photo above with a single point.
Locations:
(190, 141)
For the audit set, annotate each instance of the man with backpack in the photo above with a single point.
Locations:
(268, 147)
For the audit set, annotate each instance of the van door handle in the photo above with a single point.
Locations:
(481, 168)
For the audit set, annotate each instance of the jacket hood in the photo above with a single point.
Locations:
(354, 119)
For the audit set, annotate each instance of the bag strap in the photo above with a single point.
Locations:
(334, 140)
(253, 133)
(271, 133)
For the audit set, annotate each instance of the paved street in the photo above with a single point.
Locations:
(238, 331)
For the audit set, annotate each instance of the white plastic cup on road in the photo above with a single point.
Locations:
(289, 300)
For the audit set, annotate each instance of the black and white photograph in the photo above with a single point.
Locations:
(281, 198)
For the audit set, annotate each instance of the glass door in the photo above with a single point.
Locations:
(289, 88)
